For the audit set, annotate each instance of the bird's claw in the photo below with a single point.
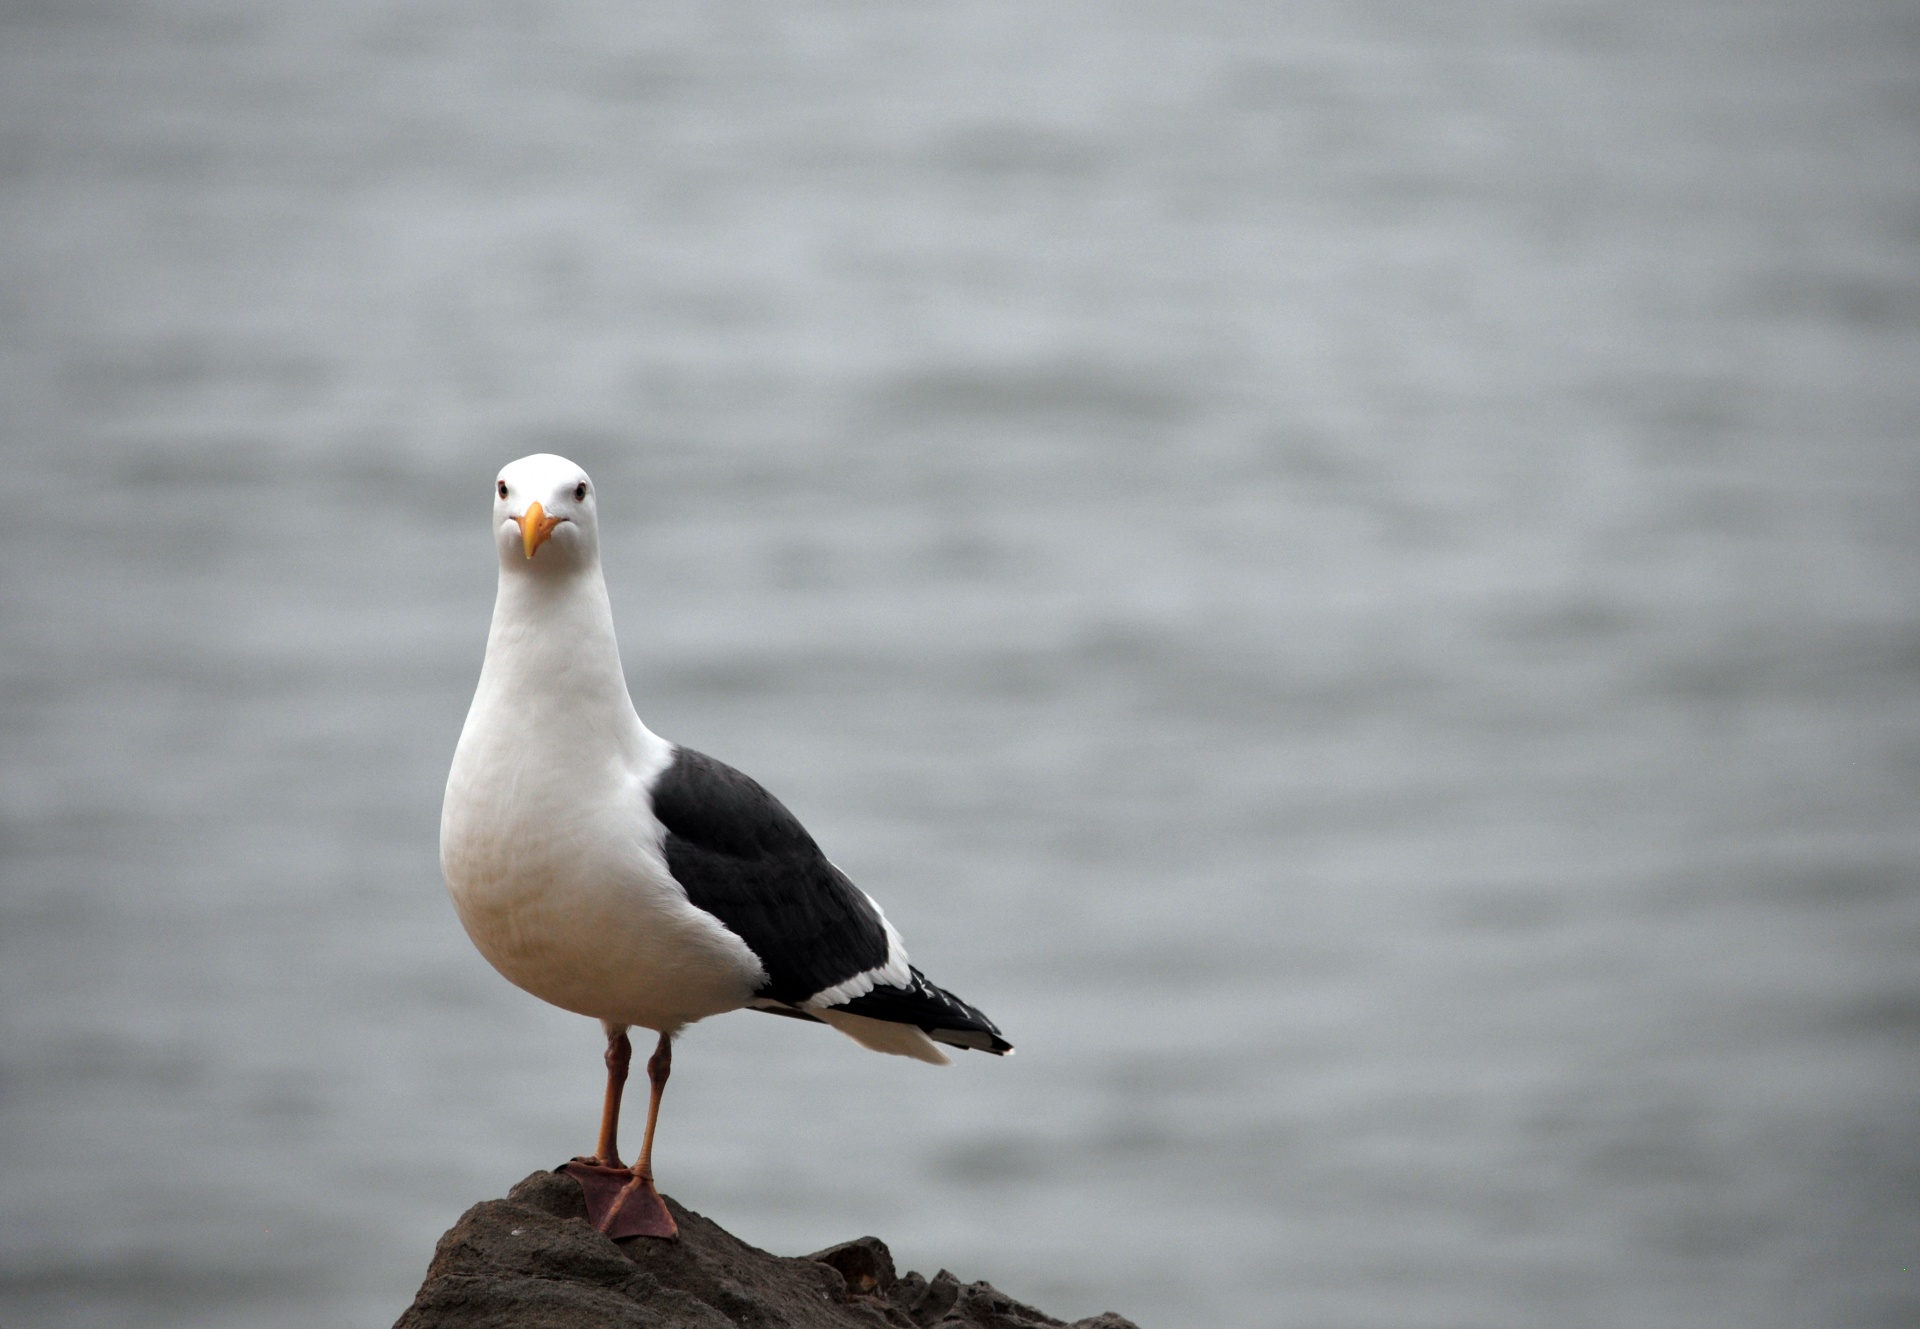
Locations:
(621, 1202)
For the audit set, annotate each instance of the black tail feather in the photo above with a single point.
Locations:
(944, 1017)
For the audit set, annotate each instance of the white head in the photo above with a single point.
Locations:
(543, 515)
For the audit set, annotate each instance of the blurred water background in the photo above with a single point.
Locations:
(1347, 570)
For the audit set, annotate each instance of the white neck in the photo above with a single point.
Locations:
(552, 676)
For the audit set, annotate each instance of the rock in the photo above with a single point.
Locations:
(530, 1261)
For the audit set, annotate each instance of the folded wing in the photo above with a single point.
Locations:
(828, 952)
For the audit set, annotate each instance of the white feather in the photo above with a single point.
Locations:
(902, 1040)
(894, 972)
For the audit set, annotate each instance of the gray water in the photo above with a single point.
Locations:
(1346, 570)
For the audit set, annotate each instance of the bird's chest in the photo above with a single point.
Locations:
(562, 885)
(526, 847)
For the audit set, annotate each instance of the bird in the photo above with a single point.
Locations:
(628, 879)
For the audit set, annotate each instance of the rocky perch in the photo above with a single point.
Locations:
(530, 1261)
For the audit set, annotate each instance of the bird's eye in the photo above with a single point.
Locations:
(580, 492)
(502, 488)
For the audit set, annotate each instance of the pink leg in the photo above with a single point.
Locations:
(659, 1067)
(622, 1202)
(619, 1057)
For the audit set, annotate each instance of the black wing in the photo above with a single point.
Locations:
(742, 857)
(745, 859)
(941, 1015)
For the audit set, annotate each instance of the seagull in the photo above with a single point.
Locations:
(626, 878)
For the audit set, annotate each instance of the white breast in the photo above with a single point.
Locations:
(549, 846)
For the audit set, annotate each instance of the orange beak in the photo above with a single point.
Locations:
(535, 527)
